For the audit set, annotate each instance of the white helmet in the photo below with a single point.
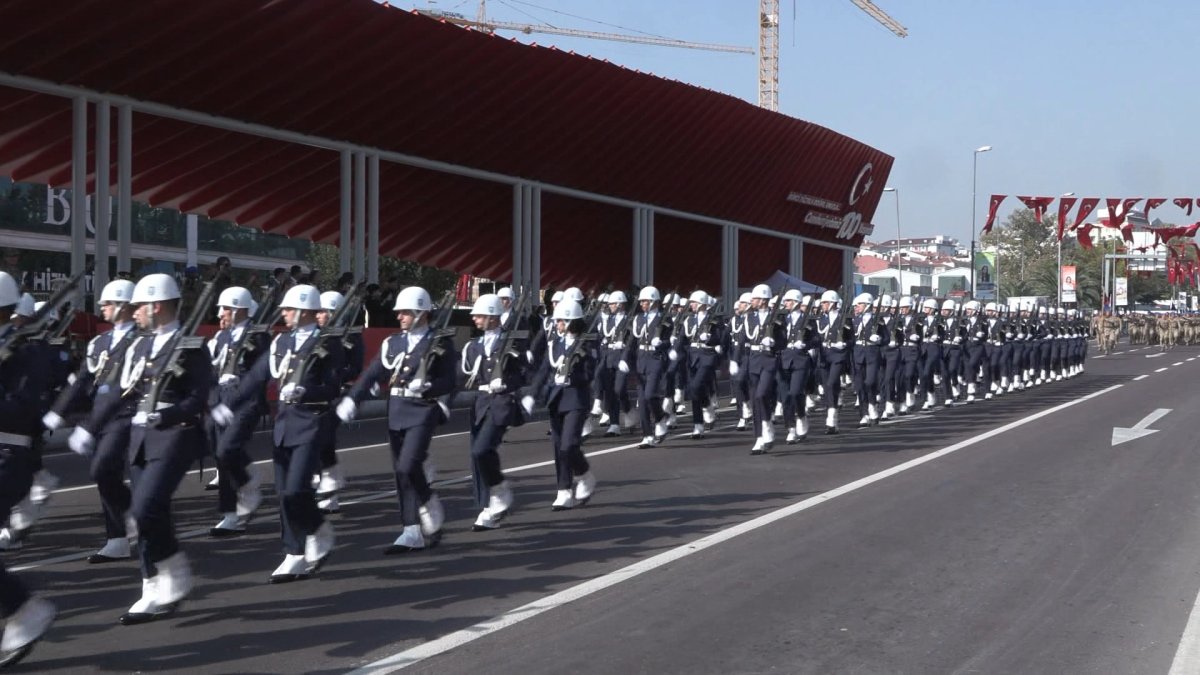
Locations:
(487, 304)
(53, 314)
(699, 296)
(10, 292)
(557, 297)
(573, 293)
(25, 306)
(792, 294)
(745, 297)
(617, 297)
(907, 301)
(1071, 313)
(301, 296)
(117, 291)
(679, 301)
(1026, 307)
(668, 300)
(887, 301)
(602, 298)
(930, 303)
(234, 297)
(806, 300)
(761, 291)
(505, 292)
(1060, 311)
(155, 288)
(863, 299)
(991, 307)
(413, 299)
(568, 310)
(972, 305)
(253, 307)
(949, 304)
(649, 293)
(1042, 310)
(831, 296)
(331, 301)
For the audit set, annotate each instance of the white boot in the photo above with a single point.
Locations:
(627, 420)
(613, 430)
(597, 408)
(329, 505)
(114, 550)
(147, 608)
(485, 521)
(331, 480)
(697, 431)
(810, 402)
(174, 579)
(971, 393)
(432, 516)
(229, 526)
(661, 429)
(746, 412)
(249, 496)
(873, 412)
(710, 414)
(791, 436)
(293, 568)
(215, 482)
(831, 421)
(410, 540)
(500, 499)
(889, 410)
(741, 424)
(565, 499)
(25, 627)
(910, 400)
(647, 441)
(778, 411)
(768, 434)
(605, 420)
(588, 427)
(801, 428)
(929, 401)
(44, 485)
(585, 487)
(318, 545)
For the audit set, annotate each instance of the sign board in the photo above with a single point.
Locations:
(985, 275)
(1066, 277)
(1121, 285)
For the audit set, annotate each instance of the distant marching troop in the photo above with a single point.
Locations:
(151, 398)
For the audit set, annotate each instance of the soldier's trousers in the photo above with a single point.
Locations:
(298, 512)
(650, 391)
(702, 373)
(866, 376)
(761, 380)
(910, 371)
(975, 361)
(107, 470)
(614, 393)
(797, 391)
(154, 481)
(486, 437)
(890, 383)
(233, 460)
(566, 432)
(954, 363)
(16, 477)
(410, 449)
(932, 365)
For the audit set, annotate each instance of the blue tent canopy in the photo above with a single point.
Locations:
(781, 281)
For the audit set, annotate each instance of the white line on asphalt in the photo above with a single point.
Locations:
(1177, 363)
(1155, 356)
(1192, 359)
(1187, 655)
(1160, 370)
(1140, 377)
(446, 643)
(1098, 357)
(1118, 352)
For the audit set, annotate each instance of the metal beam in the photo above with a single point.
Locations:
(346, 239)
(373, 219)
(360, 215)
(79, 169)
(125, 189)
(103, 200)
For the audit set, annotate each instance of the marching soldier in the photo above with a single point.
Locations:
(866, 359)
(169, 383)
(736, 337)
(21, 386)
(796, 363)
(952, 350)
(564, 382)
(492, 359)
(306, 366)
(975, 329)
(932, 366)
(701, 338)
(890, 392)
(764, 338)
(418, 366)
(234, 351)
(612, 370)
(837, 336)
(912, 330)
(99, 374)
(651, 332)
(331, 479)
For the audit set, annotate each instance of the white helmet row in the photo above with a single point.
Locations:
(761, 291)
(234, 297)
(487, 304)
(573, 293)
(949, 304)
(301, 296)
(745, 297)
(155, 288)
(649, 293)
(10, 292)
(972, 305)
(331, 301)
(617, 297)
(117, 291)
(930, 303)
(413, 299)
(864, 299)
(831, 296)
(792, 294)
(907, 301)
(26, 306)
(505, 292)
(568, 310)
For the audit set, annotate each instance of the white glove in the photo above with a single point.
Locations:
(221, 414)
(375, 390)
(623, 366)
(347, 409)
(957, 339)
(52, 420)
(1008, 335)
(527, 405)
(228, 379)
(980, 335)
(291, 393)
(81, 441)
(529, 356)
(140, 419)
(655, 343)
(914, 338)
(838, 345)
(768, 342)
(734, 368)
(496, 386)
(673, 355)
(704, 337)
(874, 339)
(560, 379)
(71, 378)
(719, 349)
(418, 386)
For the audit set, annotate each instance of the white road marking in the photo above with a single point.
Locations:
(446, 643)
(1098, 357)
(1140, 377)
(1192, 359)
(1160, 370)
(1155, 356)
(1177, 363)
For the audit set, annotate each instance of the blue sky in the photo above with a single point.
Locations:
(1094, 97)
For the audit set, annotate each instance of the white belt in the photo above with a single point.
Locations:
(757, 348)
(163, 406)
(403, 392)
(616, 345)
(15, 439)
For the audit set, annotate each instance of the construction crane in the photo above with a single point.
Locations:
(768, 45)
(482, 22)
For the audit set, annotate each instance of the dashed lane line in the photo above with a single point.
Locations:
(1140, 377)
(1160, 370)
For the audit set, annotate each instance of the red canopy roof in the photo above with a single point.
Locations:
(359, 72)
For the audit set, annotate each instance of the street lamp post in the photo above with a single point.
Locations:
(974, 176)
(1058, 270)
(899, 268)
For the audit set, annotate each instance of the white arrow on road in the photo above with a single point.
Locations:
(1122, 434)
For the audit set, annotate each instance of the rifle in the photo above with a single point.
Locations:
(772, 318)
(38, 327)
(440, 331)
(589, 335)
(54, 336)
(267, 316)
(510, 332)
(874, 325)
(181, 341)
(653, 329)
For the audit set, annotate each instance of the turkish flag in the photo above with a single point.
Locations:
(1153, 203)
(1038, 204)
(1064, 207)
(1115, 215)
(1184, 203)
(1084, 234)
(1171, 272)
(1086, 206)
(992, 208)
(1165, 234)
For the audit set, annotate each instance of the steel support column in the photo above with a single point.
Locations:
(535, 240)
(360, 215)
(518, 279)
(373, 219)
(103, 218)
(124, 188)
(848, 272)
(345, 240)
(729, 264)
(79, 170)
(796, 258)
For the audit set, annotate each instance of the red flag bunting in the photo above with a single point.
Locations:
(992, 208)
(1184, 203)
(1127, 206)
(1115, 217)
(1064, 207)
(1084, 234)
(1038, 204)
(1086, 206)
(1153, 203)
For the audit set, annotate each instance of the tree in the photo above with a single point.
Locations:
(1028, 259)
(325, 260)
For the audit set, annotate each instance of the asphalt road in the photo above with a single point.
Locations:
(1009, 536)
